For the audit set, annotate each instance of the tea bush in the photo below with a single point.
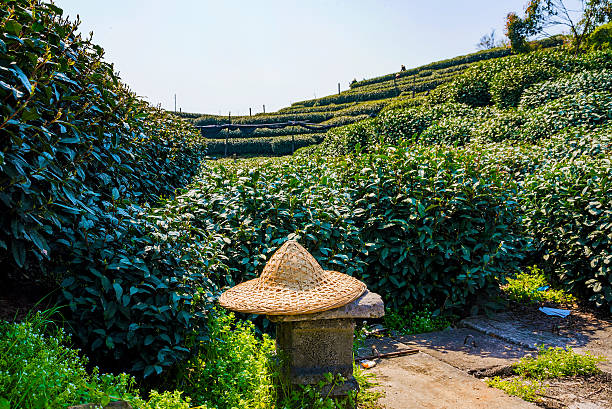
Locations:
(507, 86)
(580, 109)
(567, 210)
(587, 82)
(76, 143)
(391, 218)
(273, 146)
(82, 160)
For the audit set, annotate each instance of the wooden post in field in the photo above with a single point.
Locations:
(250, 114)
(264, 107)
(338, 88)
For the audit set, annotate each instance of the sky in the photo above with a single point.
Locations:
(229, 56)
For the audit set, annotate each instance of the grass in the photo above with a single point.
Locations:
(550, 363)
(533, 287)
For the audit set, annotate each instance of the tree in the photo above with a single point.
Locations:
(541, 14)
(488, 41)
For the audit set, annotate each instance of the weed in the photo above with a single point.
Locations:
(550, 363)
(557, 362)
(533, 287)
(526, 389)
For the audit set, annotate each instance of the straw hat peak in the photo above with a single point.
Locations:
(292, 282)
(292, 266)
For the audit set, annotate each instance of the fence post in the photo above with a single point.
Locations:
(338, 88)
(250, 112)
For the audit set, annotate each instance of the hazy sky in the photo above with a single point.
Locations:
(221, 56)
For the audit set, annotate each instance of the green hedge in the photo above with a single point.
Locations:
(588, 81)
(568, 212)
(464, 59)
(282, 145)
(82, 158)
(314, 117)
(391, 218)
(580, 109)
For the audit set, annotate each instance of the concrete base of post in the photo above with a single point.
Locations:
(313, 345)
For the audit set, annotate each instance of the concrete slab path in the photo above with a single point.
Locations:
(582, 331)
(422, 381)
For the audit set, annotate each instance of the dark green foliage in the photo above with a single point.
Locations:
(281, 145)
(580, 109)
(438, 226)
(507, 86)
(75, 144)
(586, 81)
(344, 140)
(391, 218)
(81, 159)
(567, 207)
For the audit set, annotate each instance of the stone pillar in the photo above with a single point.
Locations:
(320, 343)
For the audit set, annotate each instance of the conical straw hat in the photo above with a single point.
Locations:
(292, 282)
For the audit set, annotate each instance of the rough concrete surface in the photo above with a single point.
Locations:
(368, 305)
(466, 349)
(581, 330)
(422, 381)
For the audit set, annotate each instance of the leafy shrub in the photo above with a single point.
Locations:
(452, 130)
(282, 145)
(580, 109)
(497, 125)
(417, 322)
(76, 143)
(567, 207)
(436, 236)
(235, 369)
(600, 38)
(82, 159)
(343, 140)
(587, 82)
(143, 297)
(391, 218)
(507, 86)
(533, 287)
(38, 370)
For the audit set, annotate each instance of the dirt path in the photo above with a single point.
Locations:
(446, 372)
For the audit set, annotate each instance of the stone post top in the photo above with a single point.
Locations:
(368, 305)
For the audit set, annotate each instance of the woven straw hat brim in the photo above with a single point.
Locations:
(257, 298)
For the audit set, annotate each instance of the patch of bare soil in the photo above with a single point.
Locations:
(575, 392)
